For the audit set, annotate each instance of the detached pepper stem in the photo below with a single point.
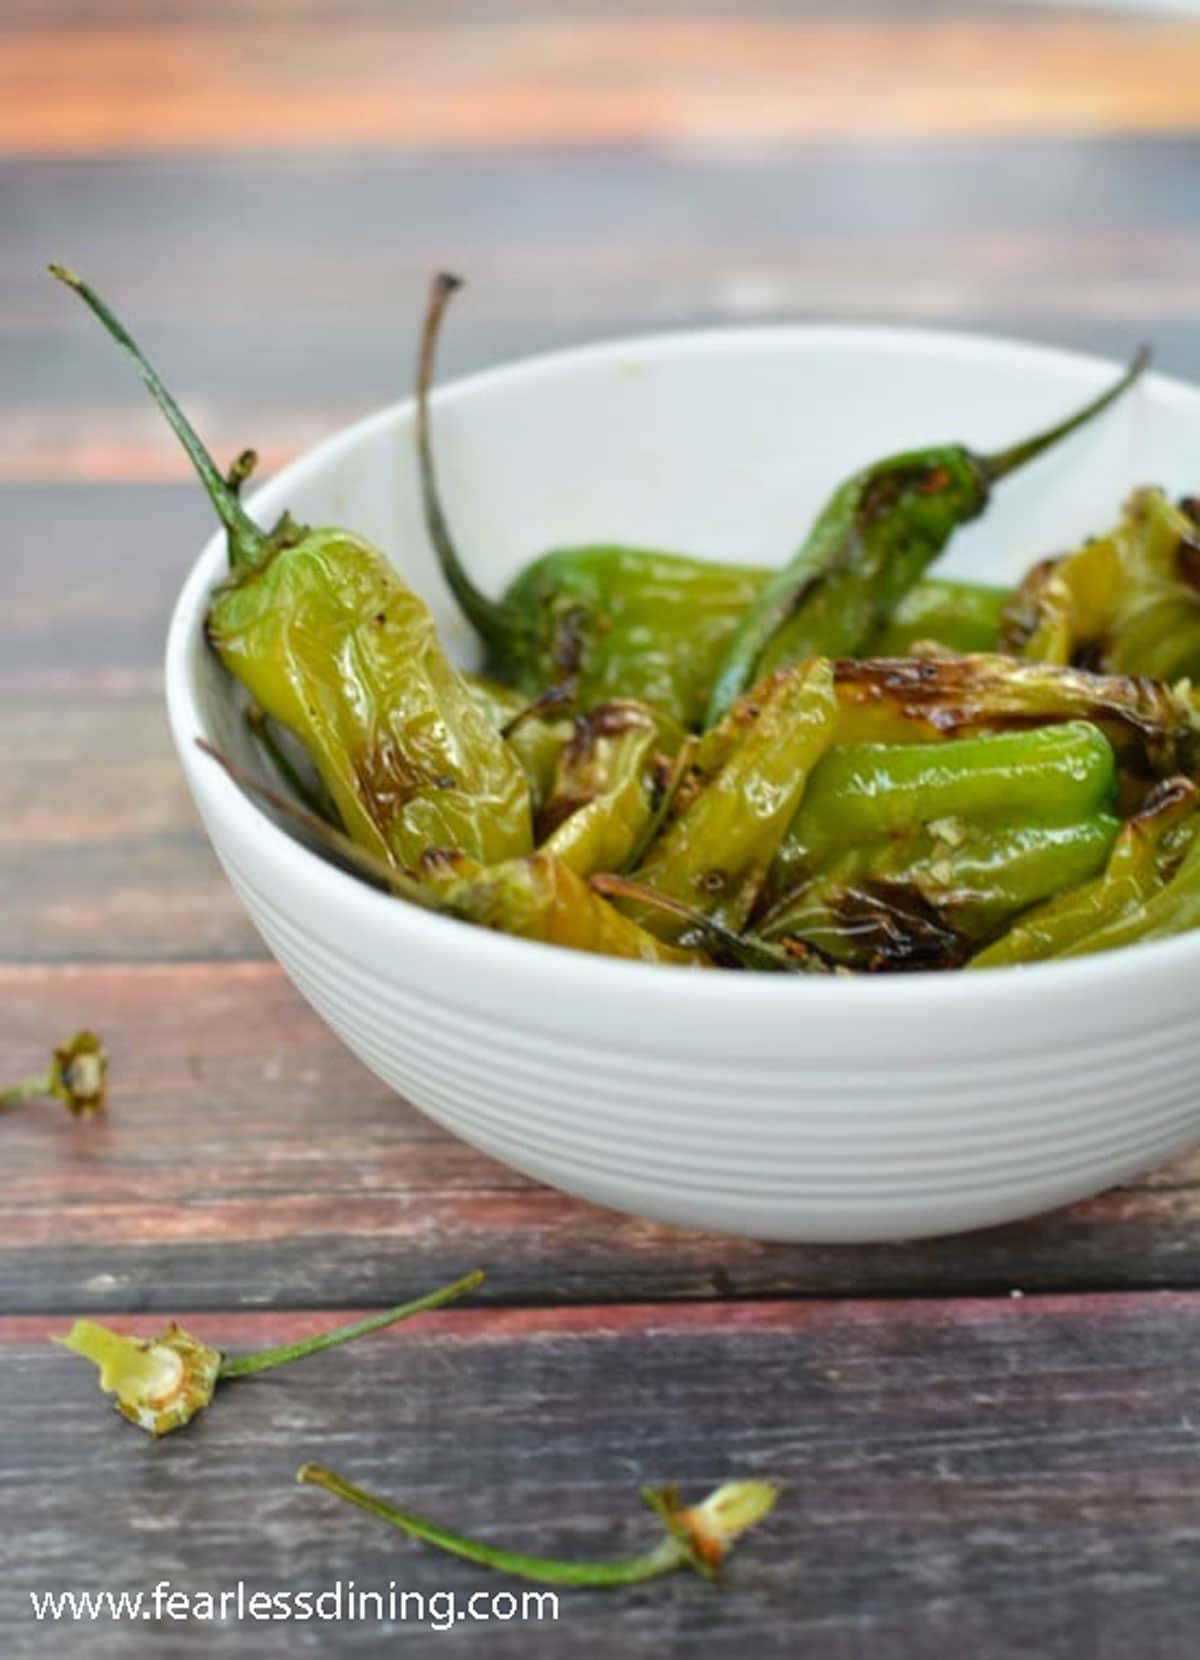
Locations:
(161, 1383)
(698, 1538)
(495, 623)
(244, 1366)
(997, 466)
(746, 949)
(247, 543)
(29, 1089)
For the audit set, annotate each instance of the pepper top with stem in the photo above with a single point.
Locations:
(77, 1076)
(334, 646)
(699, 1537)
(161, 1383)
(870, 544)
(605, 620)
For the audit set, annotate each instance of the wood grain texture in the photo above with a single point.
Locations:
(89, 83)
(995, 1479)
(246, 1156)
(102, 856)
(280, 294)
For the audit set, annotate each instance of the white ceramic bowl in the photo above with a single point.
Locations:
(786, 1108)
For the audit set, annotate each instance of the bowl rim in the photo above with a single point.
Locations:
(320, 882)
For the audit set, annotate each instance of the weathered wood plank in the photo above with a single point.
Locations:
(101, 853)
(98, 84)
(996, 1479)
(90, 576)
(246, 1155)
(245, 277)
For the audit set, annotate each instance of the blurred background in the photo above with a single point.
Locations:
(262, 187)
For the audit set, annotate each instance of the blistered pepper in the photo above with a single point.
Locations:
(1172, 909)
(1154, 728)
(715, 851)
(928, 900)
(870, 543)
(604, 787)
(334, 646)
(860, 794)
(1125, 603)
(538, 897)
(610, 621)
(1145, 855)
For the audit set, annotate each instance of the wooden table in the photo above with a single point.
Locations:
(991, 1441)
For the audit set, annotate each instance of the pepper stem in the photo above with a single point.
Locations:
(244, 1366)
(496, 624)
(28, 1089)
(77, 1076)
(670, 1553)
(746, 949)
(1003, 462)
(260, 727)
(247, 543)
(364, 863)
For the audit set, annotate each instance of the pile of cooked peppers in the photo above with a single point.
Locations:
(842, 765)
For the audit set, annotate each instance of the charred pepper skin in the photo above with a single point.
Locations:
(335, 647)
(537, 898)
(604, 788)
(715, 851)
(631, 622)
(911, 856)
(870, 544)
(1154, 728)
(929, 899)
(1127, 602)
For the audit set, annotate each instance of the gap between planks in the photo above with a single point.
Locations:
(233, 1327)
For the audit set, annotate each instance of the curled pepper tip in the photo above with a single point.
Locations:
(1002, 462)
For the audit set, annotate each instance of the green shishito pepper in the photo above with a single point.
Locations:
(1132, 896)
(929, 899)
(614, 622)
(714, 852)
(331, 644)
(906, 856)
(1154, 728)
(689, 635)
(961, 616)
(870, 543)
(865, 793)
(1125, 603)
(539, 897)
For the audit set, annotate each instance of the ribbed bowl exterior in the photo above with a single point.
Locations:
(800, 1109)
